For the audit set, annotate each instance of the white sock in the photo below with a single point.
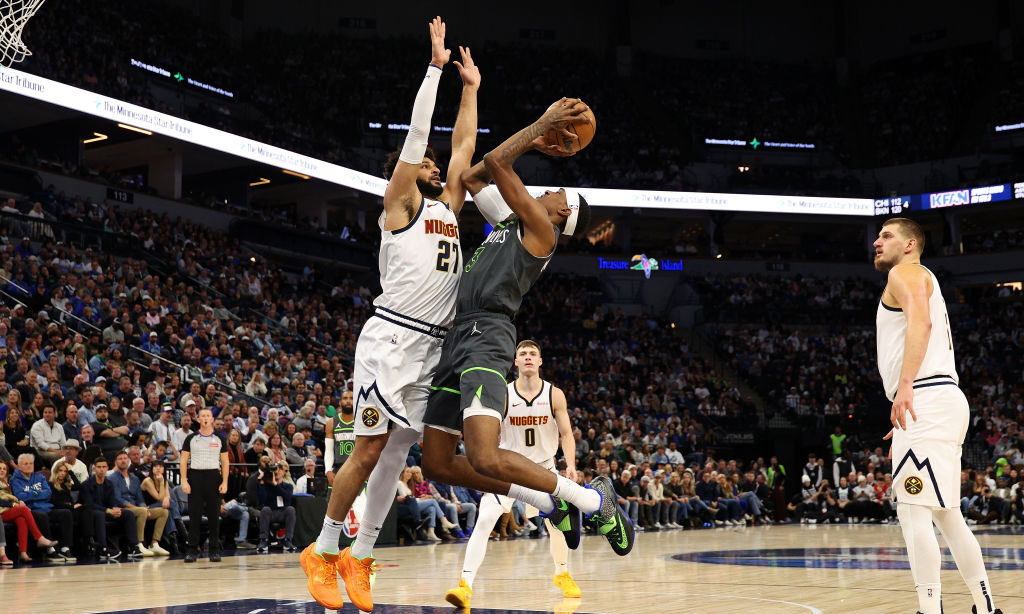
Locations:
(539, 500)
(330, 533)
(587, 499)
(967, 554)
(929, 596)
(559, 549)
(490, 511)
(380, 490)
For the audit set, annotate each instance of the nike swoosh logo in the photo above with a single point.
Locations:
(623, 539)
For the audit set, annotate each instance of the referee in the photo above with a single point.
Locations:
(204, 478)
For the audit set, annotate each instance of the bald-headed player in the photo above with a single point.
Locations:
(399, 346)
(536, 421)
(467, 399)
(929, 417)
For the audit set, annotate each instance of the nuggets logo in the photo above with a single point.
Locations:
(913, 485)
(371, 417)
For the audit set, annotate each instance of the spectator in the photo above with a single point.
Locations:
(297, 454)
(98, 494)
(157, 495)
(163, 428)
(180, 434)
(277, 505)
(72, 430)
(985, 508)
(111, 438)
(304, 484)
(33, 490)
(15, 436)
(128, 495)
(453, 507)
(70, 460)
(629, 497)
(257, 450)
(14, 510)
(47, 436)
(65, 492)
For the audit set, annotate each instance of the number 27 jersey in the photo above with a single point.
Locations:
(421, 265)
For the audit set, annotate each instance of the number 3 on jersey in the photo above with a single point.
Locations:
(447, 256)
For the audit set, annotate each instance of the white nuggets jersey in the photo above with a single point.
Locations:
(938, 361)
(420, 266)
(529, 427)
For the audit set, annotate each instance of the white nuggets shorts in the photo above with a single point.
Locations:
(926, 456)
(505, 503)
(394, 367)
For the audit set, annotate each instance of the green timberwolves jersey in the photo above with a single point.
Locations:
(500, 271)
(344, 438)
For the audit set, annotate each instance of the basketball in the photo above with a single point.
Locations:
(584, 128)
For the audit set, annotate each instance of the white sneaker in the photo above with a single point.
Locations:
(158, 550)
(719, 522)
(529, 527)
(431, 536)
(657, 525)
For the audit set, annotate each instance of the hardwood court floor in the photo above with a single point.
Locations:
(782, 569)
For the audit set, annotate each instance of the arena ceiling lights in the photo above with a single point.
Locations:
(142, 119)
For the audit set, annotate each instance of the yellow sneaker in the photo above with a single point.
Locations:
(322, 577)
(459, 597)
(569, 588)
(356, 574)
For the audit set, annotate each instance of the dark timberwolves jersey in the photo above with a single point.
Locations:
(500, 272)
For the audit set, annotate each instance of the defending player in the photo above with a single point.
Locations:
(469, 393)
(399, 346)
(915, 360)
(341, 437)
(536, 421)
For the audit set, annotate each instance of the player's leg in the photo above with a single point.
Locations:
(967, 554)
(380, 489)
(348, 483)
(320, 559)
(923, 553)
(491, 509)
(560, 555)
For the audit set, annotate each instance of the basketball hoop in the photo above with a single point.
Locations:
(14, 14)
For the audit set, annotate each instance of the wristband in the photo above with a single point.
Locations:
(435, 66)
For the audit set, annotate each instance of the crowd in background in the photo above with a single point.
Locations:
(737, 99)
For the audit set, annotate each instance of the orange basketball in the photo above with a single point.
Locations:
(584, 128)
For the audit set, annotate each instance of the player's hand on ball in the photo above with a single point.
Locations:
(438, 54)
(467, 69)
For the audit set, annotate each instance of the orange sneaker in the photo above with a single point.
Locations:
(356, 574)
(322, 577)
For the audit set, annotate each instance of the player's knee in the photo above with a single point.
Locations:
(485, 462)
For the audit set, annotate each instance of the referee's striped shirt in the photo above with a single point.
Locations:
(204, 450)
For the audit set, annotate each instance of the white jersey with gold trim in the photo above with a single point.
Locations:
(891, 335)
(420, 267)
(529, 427)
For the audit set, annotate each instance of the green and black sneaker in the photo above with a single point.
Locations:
(568, 519)
(610, 520)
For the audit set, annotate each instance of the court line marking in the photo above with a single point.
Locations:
(810, 608)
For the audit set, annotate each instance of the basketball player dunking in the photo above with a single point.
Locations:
(469, 394)
(399, 346)
(929, 417)
(536, 421)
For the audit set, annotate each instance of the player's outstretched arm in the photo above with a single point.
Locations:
(560, 410)
(402, 197)
(539, 235)
(464, 133)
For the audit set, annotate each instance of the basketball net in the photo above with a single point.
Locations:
(14, 14)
